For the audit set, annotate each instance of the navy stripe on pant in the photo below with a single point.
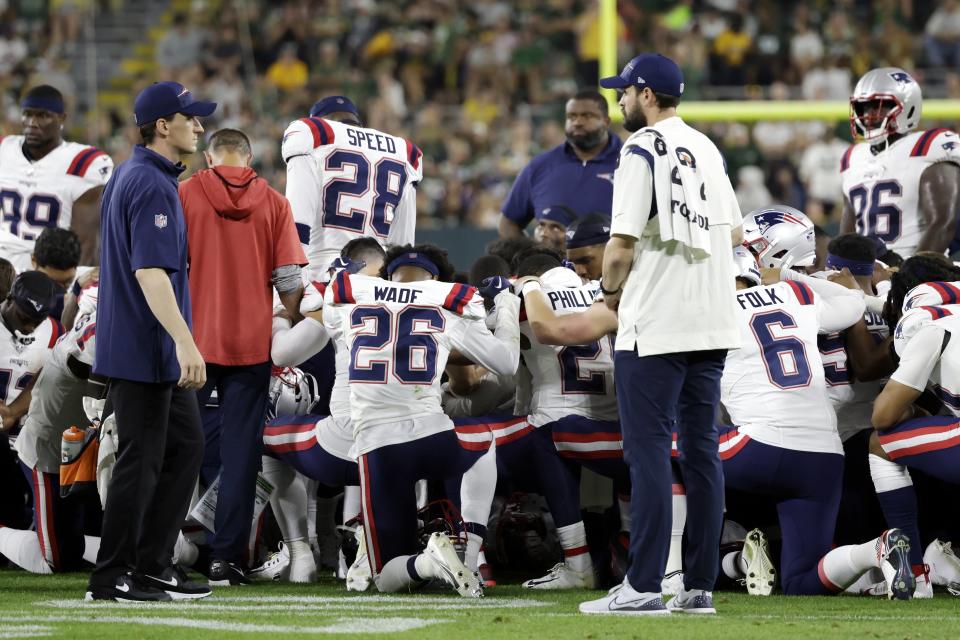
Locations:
(653, 393)
(807, 487)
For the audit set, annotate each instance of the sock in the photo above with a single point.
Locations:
(311, 489)
(843, 565)
(91, 547)
(898, 500)
(475, 535)
(732, 566)
(185, 553)
(288, 500)
(351, 503)
(422, 567)
(400, 573)
(477, 488)
(326, 516)
(573, 540)
(675, 557)
(23, 549)
(623, 503)
(298, 549)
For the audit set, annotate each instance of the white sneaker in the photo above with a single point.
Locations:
(943, 562)
(672, 583)
(695, 601)
(893, 555)
(303, 567)
(561, 576)
(761, 574)
(450, 568)
(276, 567)
(359, 575)
(924, 588)
(624, 601)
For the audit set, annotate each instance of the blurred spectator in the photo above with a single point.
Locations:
(941, 42)
(828, 80)
(181, 46)
(13, 48)
(806, 45)
(752, 193)
(820, 173)
(289, 72)
(730, 51)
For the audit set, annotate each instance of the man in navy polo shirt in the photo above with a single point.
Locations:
(146, 349)
(577, 174)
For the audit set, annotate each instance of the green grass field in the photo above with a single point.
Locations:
(51, 606)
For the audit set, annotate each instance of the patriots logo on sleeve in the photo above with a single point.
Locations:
(901, 77)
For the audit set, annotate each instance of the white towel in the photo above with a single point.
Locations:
(106, 456)
(681, 209)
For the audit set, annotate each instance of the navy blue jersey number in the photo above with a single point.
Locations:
(571, 379)
(415, 347)
(387, 179)
(784, 357)
(42, 211)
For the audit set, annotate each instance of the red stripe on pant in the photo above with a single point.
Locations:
(373, 547)
(825, 581)
(576, 551)
(43, 514)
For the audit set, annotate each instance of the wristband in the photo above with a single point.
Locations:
(610, 293)
(532, 285)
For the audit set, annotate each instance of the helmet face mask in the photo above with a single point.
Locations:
(885, 102)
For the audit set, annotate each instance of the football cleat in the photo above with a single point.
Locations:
(441, 552)
(944, 564)
(276, 567)
(696, 601)
(561, 576)
(624, 601)
(359, 575)
(924, 588)
(893, 554)
(760, 576)
(672, 583)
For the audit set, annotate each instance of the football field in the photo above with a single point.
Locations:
(52, 607)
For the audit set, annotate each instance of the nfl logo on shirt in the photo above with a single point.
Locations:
(160, 220)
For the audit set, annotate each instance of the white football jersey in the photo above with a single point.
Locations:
(22, 357)
(398, 337)
(345, 182)
(883, 189)
(575, 380)
(38, 195)
(926, 341)
(773, 387)
(855, 415)
(81, 341)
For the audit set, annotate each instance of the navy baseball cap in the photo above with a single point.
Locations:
(558, 213)
(34, 293)
(334, 104)
(162, 99)
(653, 70)
(592, 229)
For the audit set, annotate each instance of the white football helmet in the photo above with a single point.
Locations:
(780, 236)
(886, 87)
(292, 392)
(745, 266)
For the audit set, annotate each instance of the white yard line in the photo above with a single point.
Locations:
(340, 625)
(306, 605)
(26, 631)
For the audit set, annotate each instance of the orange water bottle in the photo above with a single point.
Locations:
(71, 444)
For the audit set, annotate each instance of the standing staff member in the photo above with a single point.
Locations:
(668, 271)
(242, 240)
(147, 351)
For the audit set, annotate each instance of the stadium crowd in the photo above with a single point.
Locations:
(496, 78)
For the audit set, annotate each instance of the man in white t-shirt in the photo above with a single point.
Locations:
(668, 271)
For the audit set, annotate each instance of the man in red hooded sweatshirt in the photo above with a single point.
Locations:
(242, 243)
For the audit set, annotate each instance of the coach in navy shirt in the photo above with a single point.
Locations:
(577, 174)
(146, 350)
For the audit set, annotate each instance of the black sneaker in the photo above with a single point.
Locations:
(175, 582)
(126, 588)
(225, 574)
